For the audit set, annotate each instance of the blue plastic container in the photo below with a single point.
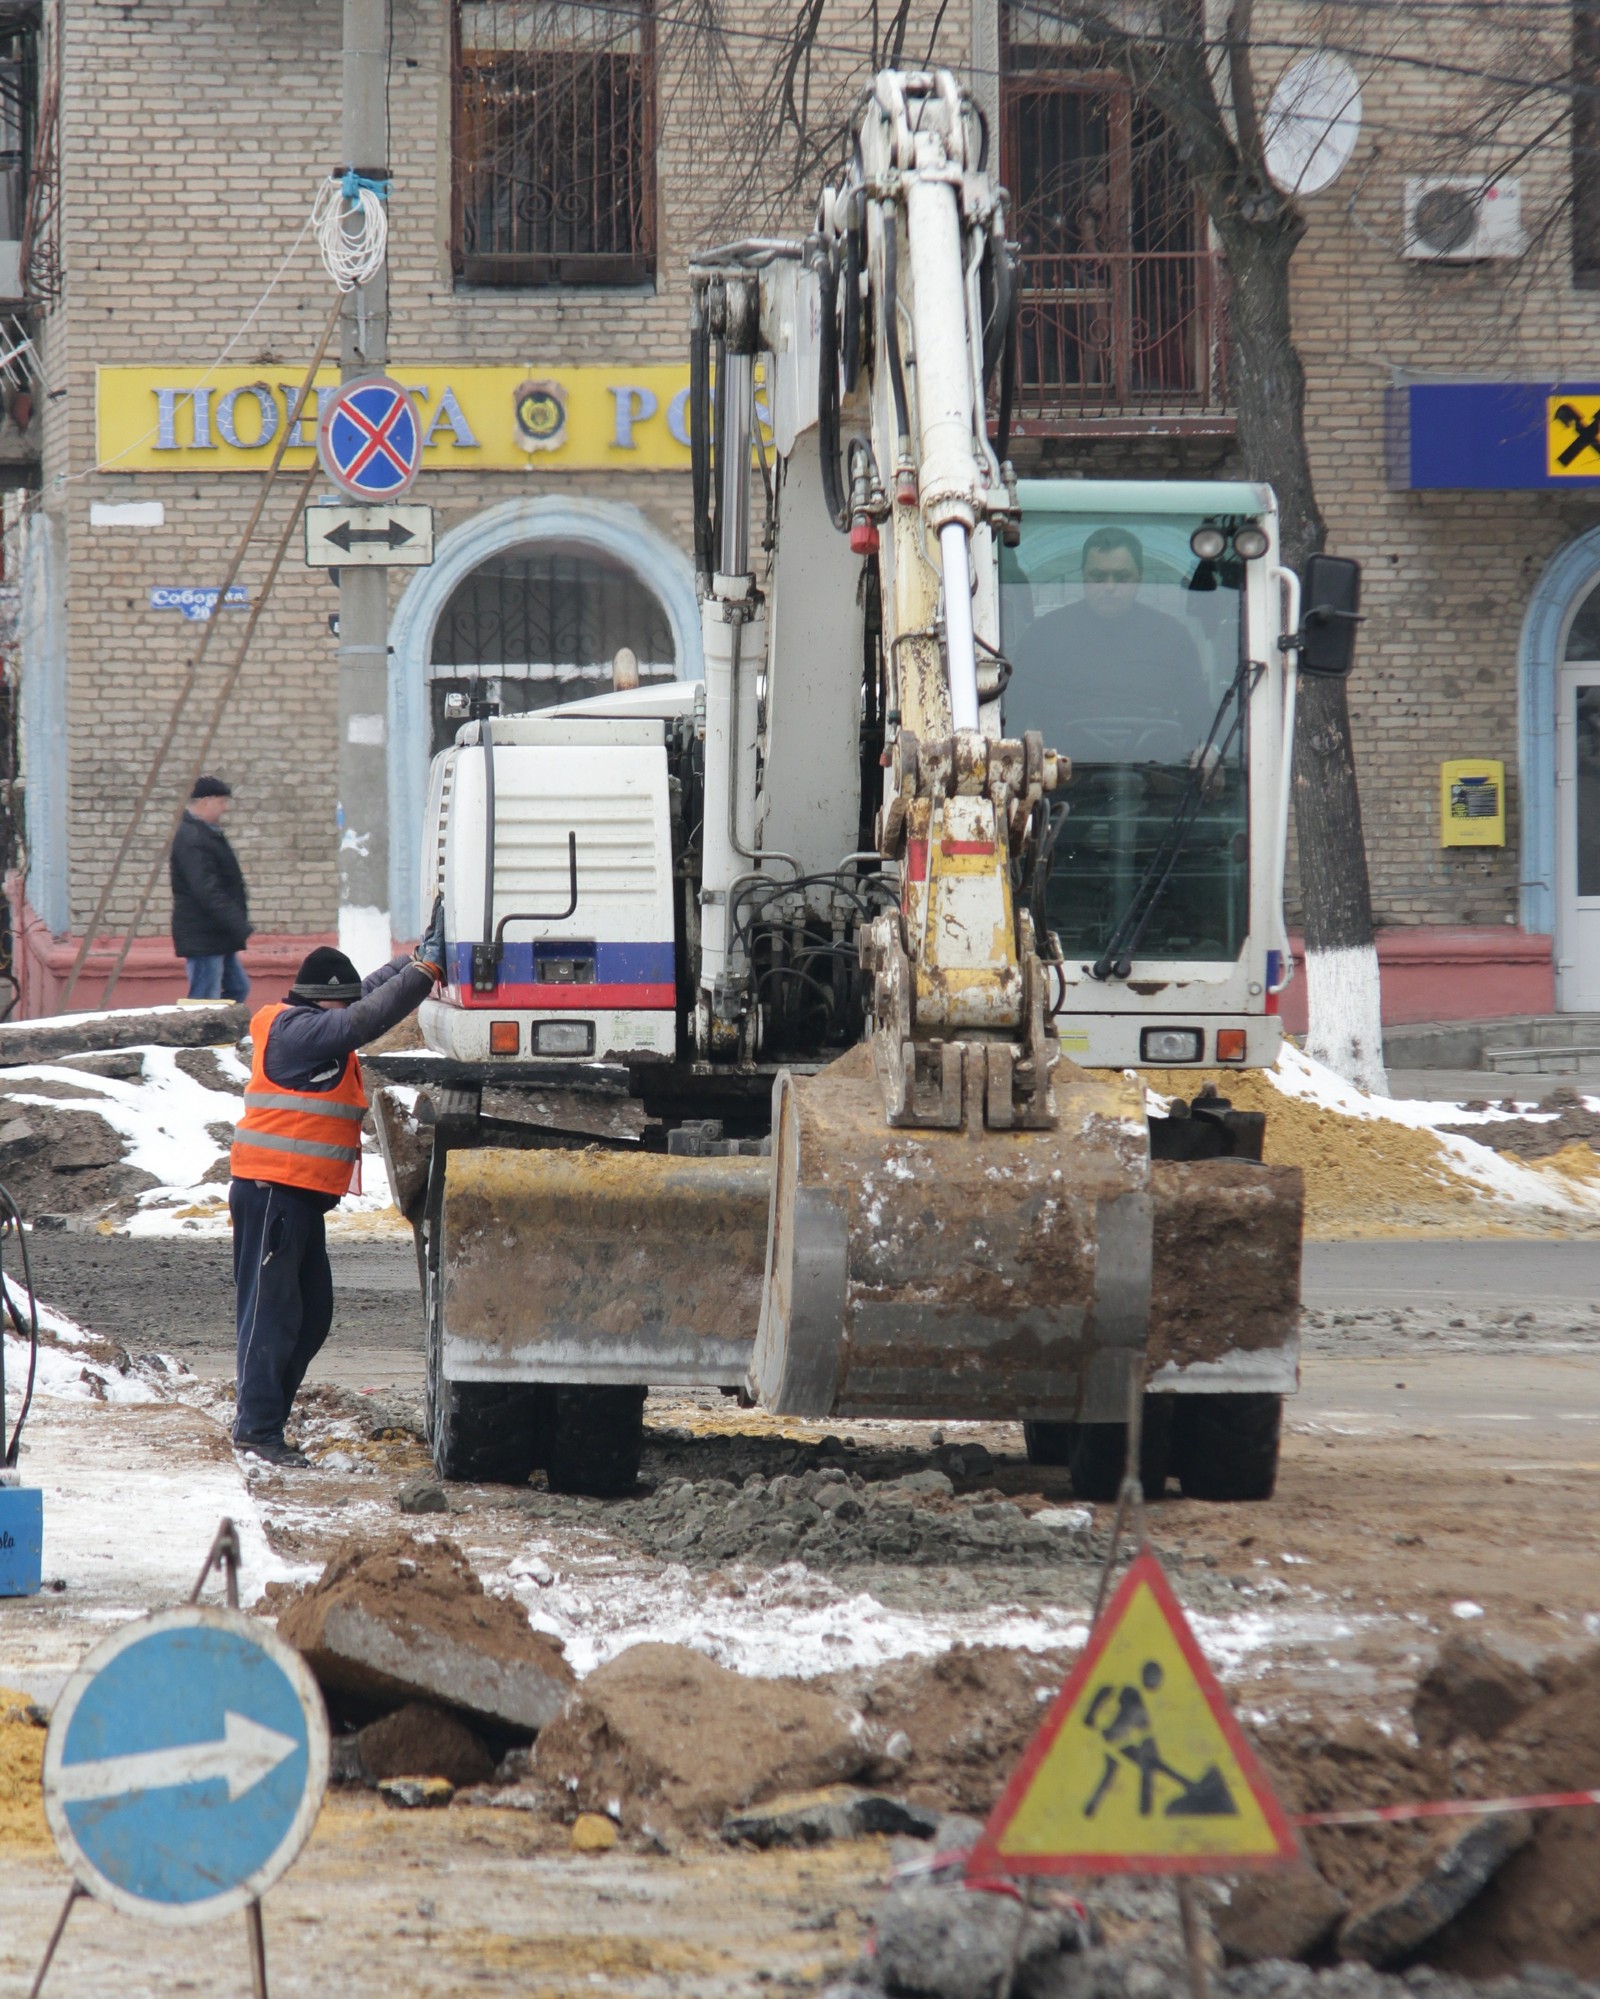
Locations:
(21, 1539)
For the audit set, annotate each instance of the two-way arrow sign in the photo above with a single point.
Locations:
(339, 537)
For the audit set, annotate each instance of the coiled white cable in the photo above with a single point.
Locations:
(352, 225)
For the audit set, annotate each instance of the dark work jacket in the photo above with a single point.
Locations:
(308, 1045)
(209, 910)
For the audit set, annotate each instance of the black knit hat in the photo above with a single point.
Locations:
(211, 787)
(326, 974)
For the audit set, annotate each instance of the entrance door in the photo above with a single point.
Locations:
(1578, 839)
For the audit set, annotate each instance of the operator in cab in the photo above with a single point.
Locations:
(296, 1154)
(1107, 678)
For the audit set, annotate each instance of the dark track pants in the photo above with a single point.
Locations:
(284, 1299)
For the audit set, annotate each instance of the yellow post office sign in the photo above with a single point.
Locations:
(1472, 802)
(532, 417)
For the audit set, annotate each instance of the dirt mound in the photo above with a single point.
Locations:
(967, 1715)
(664, 1736)
(420, 1740)
(1542, 1905)
(1470, 1691)
(401, 1619)
(1544, 1137)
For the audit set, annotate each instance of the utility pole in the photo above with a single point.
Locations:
(364, 920)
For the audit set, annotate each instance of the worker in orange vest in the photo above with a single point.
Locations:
(295, 1155)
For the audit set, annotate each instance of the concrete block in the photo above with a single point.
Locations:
(405, 1621)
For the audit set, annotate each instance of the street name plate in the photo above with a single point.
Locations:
(387, 537)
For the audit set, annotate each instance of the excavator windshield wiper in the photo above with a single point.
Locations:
(1127, 933)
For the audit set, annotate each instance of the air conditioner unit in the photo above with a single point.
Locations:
(1463, 221)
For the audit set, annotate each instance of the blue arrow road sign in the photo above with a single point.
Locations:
(185, 1764)
(369, 439)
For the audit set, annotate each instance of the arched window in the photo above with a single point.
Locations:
(1583, 634)
(544, 622)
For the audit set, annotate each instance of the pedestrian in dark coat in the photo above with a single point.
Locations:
(210, 914)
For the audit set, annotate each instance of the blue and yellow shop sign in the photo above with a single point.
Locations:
(481, 419)
(1502, 437)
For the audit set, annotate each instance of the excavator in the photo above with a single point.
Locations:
(794, 1034)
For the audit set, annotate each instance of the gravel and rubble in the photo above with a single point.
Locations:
(830, 1518)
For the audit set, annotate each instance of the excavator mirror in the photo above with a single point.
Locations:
(1332, 601)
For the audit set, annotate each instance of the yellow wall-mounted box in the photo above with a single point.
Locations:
(1472, 802)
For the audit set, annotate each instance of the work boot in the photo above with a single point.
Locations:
(272, 1451)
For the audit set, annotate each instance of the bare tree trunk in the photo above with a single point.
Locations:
(1260, 228)
(1268, 383)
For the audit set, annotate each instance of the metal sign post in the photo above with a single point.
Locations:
(185, 1765)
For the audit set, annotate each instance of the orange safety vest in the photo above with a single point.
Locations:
(298, 1138)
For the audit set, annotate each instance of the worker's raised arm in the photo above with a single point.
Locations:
(308, 1044)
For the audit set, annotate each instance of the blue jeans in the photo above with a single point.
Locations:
(220, 976)
(283, 1286)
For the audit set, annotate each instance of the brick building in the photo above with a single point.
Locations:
(547, 191)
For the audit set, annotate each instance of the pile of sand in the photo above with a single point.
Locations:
(22, 1820)
(1381, 1167)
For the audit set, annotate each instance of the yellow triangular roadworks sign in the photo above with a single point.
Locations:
(1140, 1767)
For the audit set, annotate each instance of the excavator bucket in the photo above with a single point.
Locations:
(868, 1271)
(990, 1275)
(600, 1266)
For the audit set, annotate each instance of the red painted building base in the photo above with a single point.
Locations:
(1437, 974)
(1428, 974)
(153, 974)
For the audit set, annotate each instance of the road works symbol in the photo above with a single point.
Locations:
(1140, 1767)
(185, 1764)
(369, 439)
(1572, 430)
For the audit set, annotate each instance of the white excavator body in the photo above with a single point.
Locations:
(980, 809)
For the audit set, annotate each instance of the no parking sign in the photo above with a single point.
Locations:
(369, 438)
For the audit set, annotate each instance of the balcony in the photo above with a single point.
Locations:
(1113, 342)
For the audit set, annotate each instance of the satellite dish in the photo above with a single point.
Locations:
(1312, 123)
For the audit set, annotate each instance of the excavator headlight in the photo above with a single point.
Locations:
(1172, 1044)
(1249, 542)
(1208, 542)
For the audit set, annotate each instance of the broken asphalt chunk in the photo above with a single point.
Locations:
(812, 1818)
(406, 1620)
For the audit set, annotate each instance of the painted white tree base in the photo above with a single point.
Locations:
(1345, 1022)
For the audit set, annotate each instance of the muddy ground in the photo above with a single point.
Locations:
(1438, 1475)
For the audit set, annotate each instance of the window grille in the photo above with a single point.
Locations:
(1122, 308)
(554, 141)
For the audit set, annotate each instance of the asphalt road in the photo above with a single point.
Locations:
(1353, 1276)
